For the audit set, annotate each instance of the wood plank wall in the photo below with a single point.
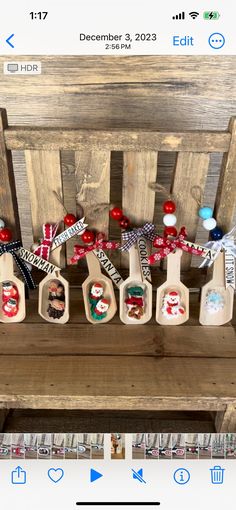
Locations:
(166, 93)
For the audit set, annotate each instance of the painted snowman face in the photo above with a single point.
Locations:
(173, 298)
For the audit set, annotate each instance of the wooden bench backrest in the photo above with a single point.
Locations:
(93, 149)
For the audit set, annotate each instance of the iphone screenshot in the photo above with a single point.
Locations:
(117, 254)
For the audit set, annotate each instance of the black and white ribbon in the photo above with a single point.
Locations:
(132, 236)
(12, 248)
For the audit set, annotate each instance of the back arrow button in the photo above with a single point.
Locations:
(8, 40)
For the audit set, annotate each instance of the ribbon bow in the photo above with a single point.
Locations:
(227, 243)
(100, 244)
(131, 236)
(49, 232)
(166, 246)
(12, 248)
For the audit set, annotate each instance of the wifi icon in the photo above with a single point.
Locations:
(194, 14)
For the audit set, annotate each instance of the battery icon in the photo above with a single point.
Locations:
(208, 15)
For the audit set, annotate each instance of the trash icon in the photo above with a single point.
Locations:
(217, 475)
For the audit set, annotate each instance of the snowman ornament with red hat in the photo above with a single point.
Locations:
(172, 305)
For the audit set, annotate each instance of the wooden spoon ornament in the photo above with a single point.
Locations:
(135, 293)
(216, 300)
(54, 298)
(98, 293)
(12, 292)
(172, 302)
(12, 289)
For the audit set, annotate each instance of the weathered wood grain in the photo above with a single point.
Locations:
(197, 75)
(8, 207)
(92, 176)
(44, 177)
(225, 421)
(49, 139)
(191, 170)
(146, 383)
(153, 341)
(226, 194)
(138, 200)
(30, 420)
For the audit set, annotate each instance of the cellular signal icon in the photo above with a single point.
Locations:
(181, 15)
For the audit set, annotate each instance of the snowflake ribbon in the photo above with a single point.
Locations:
(131, 236)
(227, 243)
(49, 232)
(81, 251)
(167, 246)
(12, 248)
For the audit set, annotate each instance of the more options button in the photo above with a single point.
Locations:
(22, 67)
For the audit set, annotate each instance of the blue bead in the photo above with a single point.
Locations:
(205, 212)
(216, 234)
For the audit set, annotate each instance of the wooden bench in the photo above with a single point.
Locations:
(112, 366)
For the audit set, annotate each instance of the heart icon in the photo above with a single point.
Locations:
(55, 474)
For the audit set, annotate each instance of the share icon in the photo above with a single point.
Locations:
(138, 475)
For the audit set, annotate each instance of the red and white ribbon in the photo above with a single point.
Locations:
(81, 251)
(167, 246)
(49, 232)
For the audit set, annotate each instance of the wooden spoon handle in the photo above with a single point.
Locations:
(219, 270)
(6, 267)
(174, 266)
(93, 265)
(134, 263)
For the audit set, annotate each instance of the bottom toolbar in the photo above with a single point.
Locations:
(183, 485)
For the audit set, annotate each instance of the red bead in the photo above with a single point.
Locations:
(5, 235)
(170, 231)
(124, 222)
(70, 219)
(169, 207)
(116, 213)
(88, 237)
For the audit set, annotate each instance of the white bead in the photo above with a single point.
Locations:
(2, 224)
(34, 247)
(29, 266)
(209, 224)
(169, 220)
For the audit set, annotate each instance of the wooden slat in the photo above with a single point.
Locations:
(138, 200)
(28, 138)
(226, 420)
(115, 339)
(8, 202)
(30, 420)
(44, 177)
(226, 194)
(92, 174)
(191, 170)
(86, 382)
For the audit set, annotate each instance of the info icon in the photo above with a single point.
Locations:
(181, 476)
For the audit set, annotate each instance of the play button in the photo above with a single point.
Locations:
(94, 475)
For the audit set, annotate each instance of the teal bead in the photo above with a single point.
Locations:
(205, 212)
